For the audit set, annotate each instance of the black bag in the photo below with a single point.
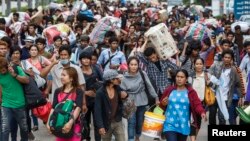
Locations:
(85, 127)
(151, 100)
(33, 95)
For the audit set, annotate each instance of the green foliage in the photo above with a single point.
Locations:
(198, 2)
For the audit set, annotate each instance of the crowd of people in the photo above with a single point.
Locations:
(100, 76)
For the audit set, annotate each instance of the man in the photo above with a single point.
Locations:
(13, 100)
(224, 45)
(245, 65)
(108, 107)
(29, 41)
(41, 43)
(3, 49)
(84, 47)
(238, 38)
(156, 68)
(56, 70)
(53, 49)
(226, 81)
(3, 53)
(234, 47)
(112, 58)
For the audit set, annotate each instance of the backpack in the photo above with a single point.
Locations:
(33, 95)
(60, 116)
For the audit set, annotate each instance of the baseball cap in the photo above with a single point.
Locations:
(111, 74)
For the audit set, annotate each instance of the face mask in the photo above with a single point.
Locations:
(64, 61)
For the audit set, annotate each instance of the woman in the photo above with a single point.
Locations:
(108, 107)
(38, 62)
(93, 76)
(179, 102)
(199, 81)
(70, 88)
(134, 85)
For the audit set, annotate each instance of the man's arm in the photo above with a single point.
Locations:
(19, 75)
(45, 71)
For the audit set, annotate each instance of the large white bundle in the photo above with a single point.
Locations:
(244, 26)
(16, 27)
(104, 25)
(23, 16)
(79, 5)
(213, 22)
(54, 5)
(162, 41)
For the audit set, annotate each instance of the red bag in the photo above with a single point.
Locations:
(42, 112)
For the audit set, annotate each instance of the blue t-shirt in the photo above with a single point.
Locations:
(178, 113)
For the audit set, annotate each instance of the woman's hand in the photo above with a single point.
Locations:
(204, 116)
(157, 102)
(123, 94)
(102, 131)
(48, 127)
(84, 108)
(67, 127)
(164, 102)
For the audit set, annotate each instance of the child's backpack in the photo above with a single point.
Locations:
(61, 115)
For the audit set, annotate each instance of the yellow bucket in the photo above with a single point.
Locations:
(153, 124)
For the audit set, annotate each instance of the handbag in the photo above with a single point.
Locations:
(209, 96)
(151, 100)
(43, 112)
(33, 95)
(129, 108)
(40, 82)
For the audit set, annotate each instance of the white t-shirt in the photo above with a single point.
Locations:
(224, 83)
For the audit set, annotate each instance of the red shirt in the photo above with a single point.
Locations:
(195, 103)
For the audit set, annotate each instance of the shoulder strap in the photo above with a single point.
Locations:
(110, 57)
(40, 60)
(144, 81)
(66, 97)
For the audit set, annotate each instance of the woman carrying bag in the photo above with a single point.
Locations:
(72, 91)
(134, 85)
(179, 102)
(200, 82)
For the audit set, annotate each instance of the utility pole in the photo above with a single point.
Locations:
(3, 7)
(29, 3)
(18, 5)
(8, 10)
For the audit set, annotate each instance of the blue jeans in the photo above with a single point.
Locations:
(135, 123)
(20, 116)
(175, 136)
(13, 129)
(232, 112)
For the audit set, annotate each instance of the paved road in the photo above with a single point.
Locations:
(43, 135)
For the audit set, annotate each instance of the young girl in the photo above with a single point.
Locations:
(70, 88)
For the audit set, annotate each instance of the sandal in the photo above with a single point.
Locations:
(35, 128)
